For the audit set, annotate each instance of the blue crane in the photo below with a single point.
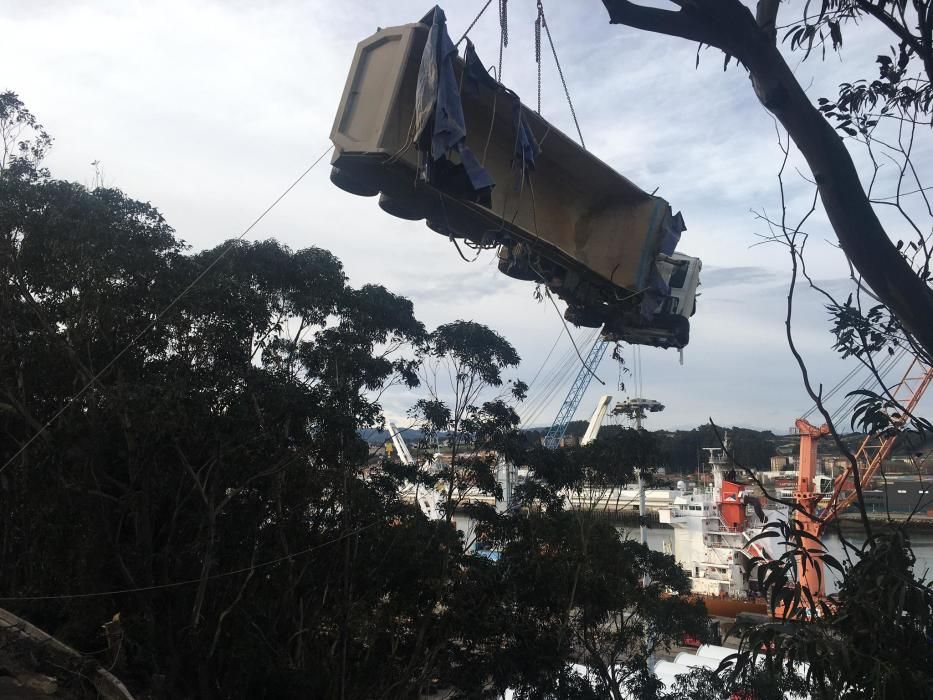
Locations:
(575, 395)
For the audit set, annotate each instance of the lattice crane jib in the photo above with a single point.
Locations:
(556, 432)
(875, 448)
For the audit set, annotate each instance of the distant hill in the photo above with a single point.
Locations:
(684, 450)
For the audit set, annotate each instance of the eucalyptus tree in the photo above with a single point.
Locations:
(181, 458)
(864, 147)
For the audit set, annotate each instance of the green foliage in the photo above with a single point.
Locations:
(473, 348)
(683, 450)
(767, 681)
(23, 139)
(202, 474)
(871, 639)
(903, 82)
(593, 602)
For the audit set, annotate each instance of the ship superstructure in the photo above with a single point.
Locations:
(713, 531)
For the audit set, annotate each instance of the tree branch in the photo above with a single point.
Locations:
(729, 26)
(670, 22)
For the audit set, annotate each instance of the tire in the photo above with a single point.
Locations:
(402, 208)
(516, 266)
(353, 184)
(443, 229)
(587, 317)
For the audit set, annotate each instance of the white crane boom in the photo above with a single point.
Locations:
(399, 442)
(596, 420)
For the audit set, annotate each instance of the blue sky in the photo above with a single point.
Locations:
(210, 109)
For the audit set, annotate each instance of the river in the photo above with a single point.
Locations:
(661, 539)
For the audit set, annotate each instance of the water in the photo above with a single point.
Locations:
(661, 539)
(921, 537)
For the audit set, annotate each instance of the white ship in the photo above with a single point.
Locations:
(713, 532)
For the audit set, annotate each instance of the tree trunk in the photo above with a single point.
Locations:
(730, 26)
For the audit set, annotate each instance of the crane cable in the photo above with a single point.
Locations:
(883, 370)
(473, 23)
(559, 384)
(547, 386)
(548, 357)
(556, 378)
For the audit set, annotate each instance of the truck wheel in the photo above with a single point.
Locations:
(516, 266)
(443, 229)
(352, 183)
(587, 317)
(402, 208)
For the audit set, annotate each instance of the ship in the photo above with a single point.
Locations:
(714, 537)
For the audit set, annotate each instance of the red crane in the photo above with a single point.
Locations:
(869, 456)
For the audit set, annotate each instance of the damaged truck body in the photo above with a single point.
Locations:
(437, 138)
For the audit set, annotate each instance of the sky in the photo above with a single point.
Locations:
(209, 109)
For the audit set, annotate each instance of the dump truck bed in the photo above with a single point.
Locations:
(574, 206)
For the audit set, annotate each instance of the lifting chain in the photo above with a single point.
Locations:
(539, 20)
(503, 33)
(504, 21)
(560, 72)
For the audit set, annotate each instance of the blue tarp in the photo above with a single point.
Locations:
(440, 129)
(476, 77)
(671, 229)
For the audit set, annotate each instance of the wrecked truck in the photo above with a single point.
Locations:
(437, 138)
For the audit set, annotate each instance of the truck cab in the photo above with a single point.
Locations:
(667, 324)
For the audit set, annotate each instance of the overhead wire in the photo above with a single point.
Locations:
(546, 358)
(883, 369)
(560, 378)
(93, 380)
(551, 381)
(545, 401)
(545, 386)
(859, 368)
(576, 349)
(193, 581)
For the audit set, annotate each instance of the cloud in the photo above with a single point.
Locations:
(713, 277)
(211, 109)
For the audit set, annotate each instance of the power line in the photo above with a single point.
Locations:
(161, 314)
(548, 357)
(189, 582)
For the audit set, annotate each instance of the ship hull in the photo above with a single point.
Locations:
(723, 606)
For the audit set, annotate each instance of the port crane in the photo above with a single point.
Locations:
(427, 500)
(872, 451)
(556, 432)
(398, 442)
(596, 420)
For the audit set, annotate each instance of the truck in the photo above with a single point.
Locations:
(558, 215)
